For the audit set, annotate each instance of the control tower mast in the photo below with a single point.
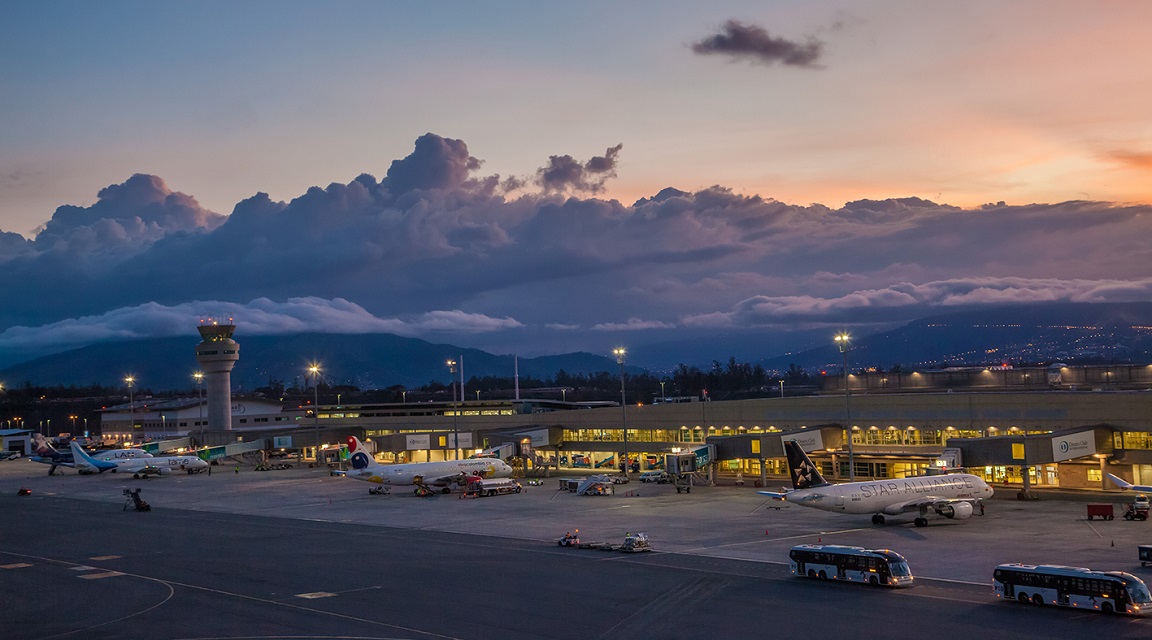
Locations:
(217, 354)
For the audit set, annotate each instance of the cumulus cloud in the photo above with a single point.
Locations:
(564, 173)
(437, 247)
(633, 324)
(742, 41)
(893, 303)
(258, 317)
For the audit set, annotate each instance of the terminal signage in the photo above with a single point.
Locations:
(417, 441)
(1075, 445)
(282, 442)
(808, 441)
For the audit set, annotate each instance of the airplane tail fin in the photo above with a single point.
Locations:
(804, 473)
(358, 454)
(42, 446)
(81, 459)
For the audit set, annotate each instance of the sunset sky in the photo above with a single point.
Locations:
(997, 139)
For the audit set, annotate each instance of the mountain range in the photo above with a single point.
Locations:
(1076, 333)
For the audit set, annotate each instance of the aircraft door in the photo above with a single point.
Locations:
(839, 500)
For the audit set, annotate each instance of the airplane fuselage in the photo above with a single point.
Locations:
(881, 496)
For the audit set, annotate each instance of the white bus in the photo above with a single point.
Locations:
(851, 564)
(1106, 591)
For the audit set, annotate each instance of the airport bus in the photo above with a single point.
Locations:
(852, 564)
(1106, 591)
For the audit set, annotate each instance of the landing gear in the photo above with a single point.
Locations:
(920, 522)
(877, 519)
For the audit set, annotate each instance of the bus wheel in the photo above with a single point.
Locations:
(1023, 598)
(873, 581)
(1107, 607)
(1036, 599)
(823, 576)
(812, 574)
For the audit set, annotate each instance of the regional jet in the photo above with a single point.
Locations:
(953, 495)
(106, 459)
(139, 467)
(421, 474)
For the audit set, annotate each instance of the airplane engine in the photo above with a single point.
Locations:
(958, 510)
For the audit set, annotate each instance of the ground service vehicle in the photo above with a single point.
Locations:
(659, 477)
(881, 567)
(1106, 591)
(493, 486)
(1102, 511)
(1133, 512)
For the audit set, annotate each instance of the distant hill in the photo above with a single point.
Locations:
(368, 361)
(1073, 333)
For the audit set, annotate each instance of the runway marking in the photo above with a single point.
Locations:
(97, 576)
(104, 558)
(82, 567)
(316, 594)
(18, 565)
(1094, 529)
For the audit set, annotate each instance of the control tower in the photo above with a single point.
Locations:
(217, 354)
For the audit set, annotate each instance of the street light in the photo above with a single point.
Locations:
(663, 397)
(842, 340)
(314, 371)
(455, 410)
(130, 380)
(619, 352)
(199, 376)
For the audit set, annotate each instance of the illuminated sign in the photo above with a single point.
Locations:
(1076, 445)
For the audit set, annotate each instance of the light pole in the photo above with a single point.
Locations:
(842, 340)
(403, 397)
(199, 376)
(455, 410)
(477, 395)
(314, 371)
(619, 352)
(130, 380)
(663, 396)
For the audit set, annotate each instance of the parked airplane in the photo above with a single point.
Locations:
(157, 465)
(1129, 486)
(47, 454)
(421, 474)
(953, 495)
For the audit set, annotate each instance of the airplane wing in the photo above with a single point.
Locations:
(936, 503)
(1128, 486)
(445, 479)
(777, 495)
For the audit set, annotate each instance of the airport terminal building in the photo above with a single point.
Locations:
(1052, 435)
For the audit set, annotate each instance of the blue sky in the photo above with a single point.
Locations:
(844, 189)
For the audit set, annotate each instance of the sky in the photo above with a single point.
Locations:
(536, 178)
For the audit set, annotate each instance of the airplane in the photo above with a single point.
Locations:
(420, 474)
(953, 495)
(1127, 486)
(47, 454)
(139, 467)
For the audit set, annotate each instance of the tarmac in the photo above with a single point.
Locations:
(719, 522)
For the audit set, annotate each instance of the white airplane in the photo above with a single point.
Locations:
(953, 495)
(156, 465)
(420, 474)
(47, 454)
(1127, 486)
